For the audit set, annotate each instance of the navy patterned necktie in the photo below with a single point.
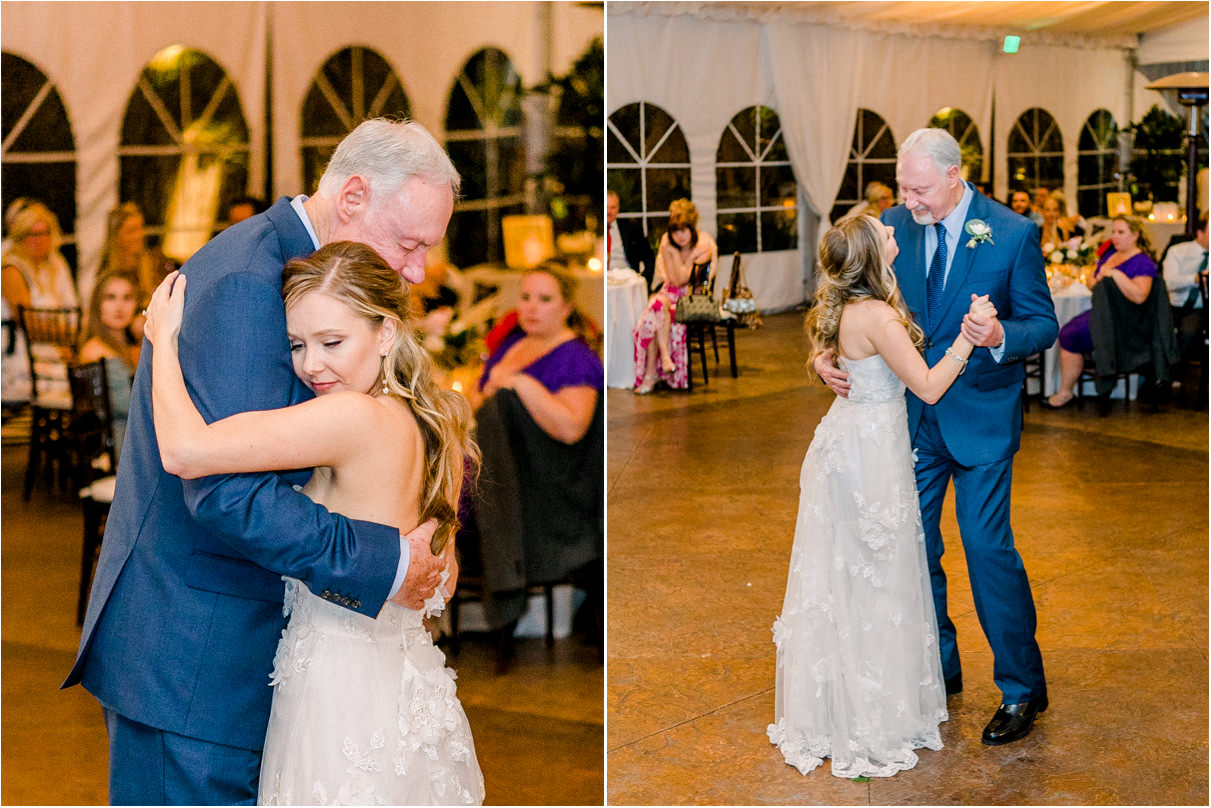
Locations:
(937, 276)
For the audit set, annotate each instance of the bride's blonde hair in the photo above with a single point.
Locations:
(358, 276)
(853, 266)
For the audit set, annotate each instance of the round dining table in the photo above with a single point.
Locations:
(626, 298)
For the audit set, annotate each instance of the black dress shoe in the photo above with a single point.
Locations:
(954, 684)
(1013, 721)
(1046, 404)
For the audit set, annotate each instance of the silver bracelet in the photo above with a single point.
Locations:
(951, 353)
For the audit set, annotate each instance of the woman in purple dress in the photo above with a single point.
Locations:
(546, 360)
(1130, 264)
(538, 513)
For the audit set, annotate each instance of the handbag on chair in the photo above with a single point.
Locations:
(739, 300)
(699, 304)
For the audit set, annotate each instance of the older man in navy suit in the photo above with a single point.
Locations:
(955, 243)
(186, 607)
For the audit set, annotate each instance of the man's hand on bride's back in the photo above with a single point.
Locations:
(166, 310)
(424, 569)
(836, 379)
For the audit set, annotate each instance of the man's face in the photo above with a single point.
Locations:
(611, 208)
(402, 228)
(929, 194)
(1200, 236)
(1020, 202)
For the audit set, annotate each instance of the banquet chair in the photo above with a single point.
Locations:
(95, 457)
(50, 341)
(1033, 365)
(697, 331)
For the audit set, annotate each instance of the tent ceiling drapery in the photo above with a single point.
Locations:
(1115, 23)
(703, 62)
(93, 54)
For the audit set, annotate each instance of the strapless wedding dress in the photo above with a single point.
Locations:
(364, 712)
(859, 677)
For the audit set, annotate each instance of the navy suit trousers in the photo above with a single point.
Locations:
(1000, 589)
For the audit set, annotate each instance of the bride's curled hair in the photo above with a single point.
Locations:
(358, 276)
(853, 266)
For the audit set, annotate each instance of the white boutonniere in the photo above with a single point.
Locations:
(979, 231)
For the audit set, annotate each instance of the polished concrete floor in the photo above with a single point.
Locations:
(538, 728)
(1110, 516)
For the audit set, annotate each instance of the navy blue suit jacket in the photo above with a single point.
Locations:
(978, 415)
(186, 606)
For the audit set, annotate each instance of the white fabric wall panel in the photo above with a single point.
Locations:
(1068, 83)
(94, 53)
(425, 43)
(1186, 42)
(908, 79)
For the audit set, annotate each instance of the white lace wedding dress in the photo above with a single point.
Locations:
(859, 677)
(364, 712)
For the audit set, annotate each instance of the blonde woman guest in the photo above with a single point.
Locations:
(36, 275)
(1057, 227)
(126, 249)
(878, 198)
(660, 354)
(110, 335)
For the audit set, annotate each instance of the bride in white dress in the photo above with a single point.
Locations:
(364, 711)
(859, 676)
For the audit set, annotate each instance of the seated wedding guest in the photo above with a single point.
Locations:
(126, 249)
(109, 334)
(1041, 194)
(1130, 265)
(626, 245)
(878, 198)
(538, 504)
(1184, 263)
(244, 207)
(660, 350)
(1019, 203)
(36, 275)
(1057, 228)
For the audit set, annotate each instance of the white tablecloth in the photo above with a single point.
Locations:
(1068, 303)
(625, 303)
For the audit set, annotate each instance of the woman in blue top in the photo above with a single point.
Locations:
(109, 334)
(1130, 265)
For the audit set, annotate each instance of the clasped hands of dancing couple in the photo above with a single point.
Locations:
(867, 652)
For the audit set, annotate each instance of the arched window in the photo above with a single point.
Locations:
(1096, 163)
(484, 139)
(647, 164)
(755, 187)
(355, 84)
(576, 154)
(39, 154)
(1035, 152)
(184, 148)
(963, 129)
(872, 158)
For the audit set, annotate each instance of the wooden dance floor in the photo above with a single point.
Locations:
(1110, 516)
(538, 729)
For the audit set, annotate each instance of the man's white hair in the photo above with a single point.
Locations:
(939, 144)
(388, 153)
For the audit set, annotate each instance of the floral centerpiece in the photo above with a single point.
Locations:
(455, 343)
(1072, 252)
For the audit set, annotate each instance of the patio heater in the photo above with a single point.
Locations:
(1191, 89)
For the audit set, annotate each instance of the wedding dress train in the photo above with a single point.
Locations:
(859, 676)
